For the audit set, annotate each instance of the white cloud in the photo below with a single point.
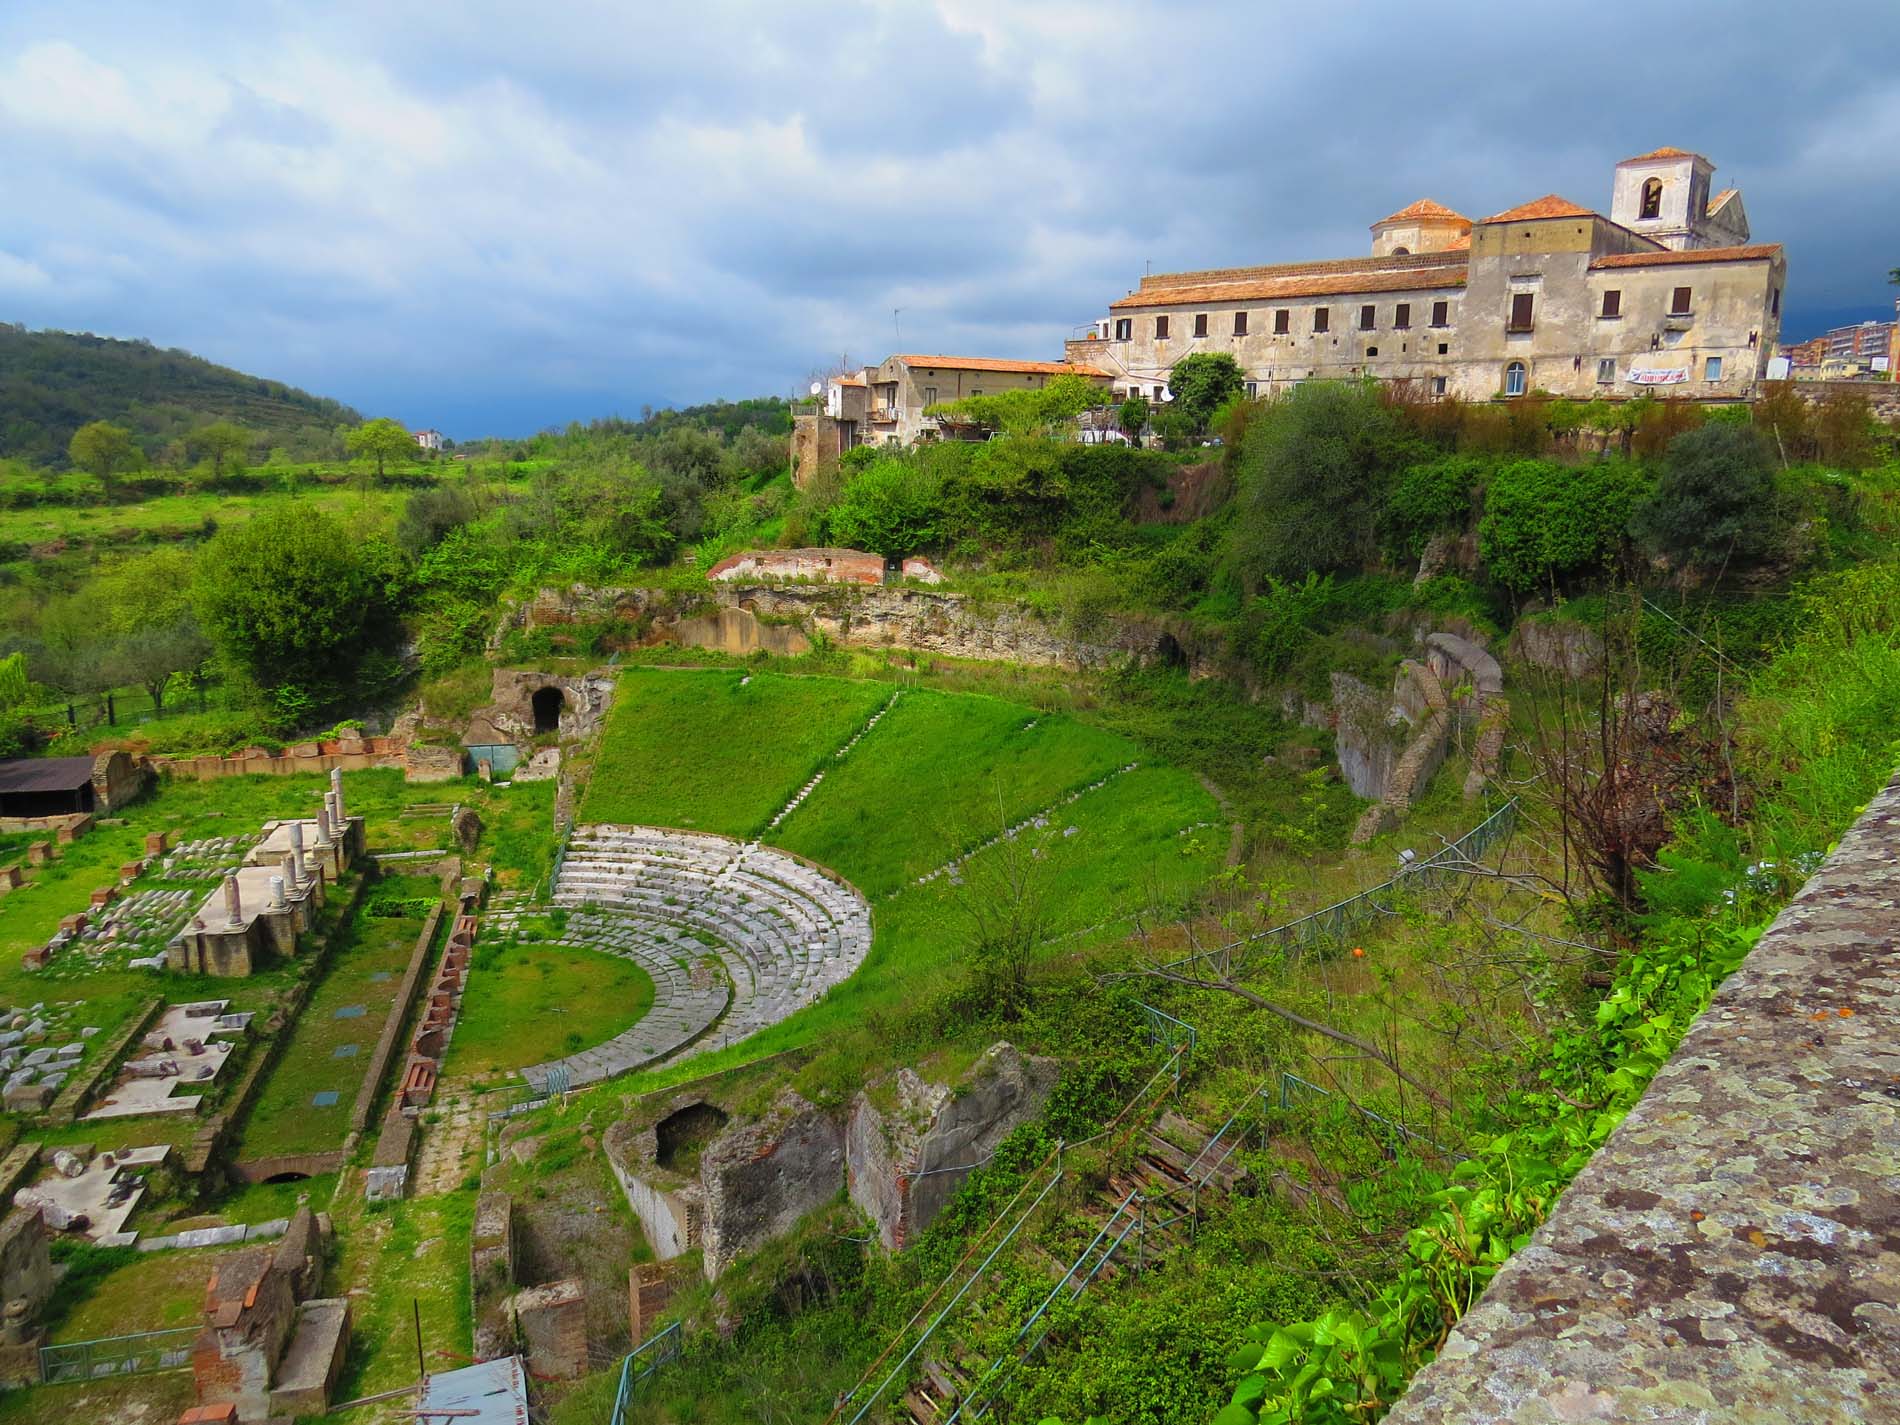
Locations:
(592, 203)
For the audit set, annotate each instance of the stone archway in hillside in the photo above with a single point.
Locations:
(1169, 653)
(548, 704)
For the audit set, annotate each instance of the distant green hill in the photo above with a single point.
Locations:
(51, 383)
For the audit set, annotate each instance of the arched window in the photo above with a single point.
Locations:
(1652, 199)
(1514, 379)
(1401, 252)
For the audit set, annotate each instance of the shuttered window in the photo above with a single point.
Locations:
(1161, 328)
(1679, 302)
(1240, 323)
(1322, 319)
(1441, 314)
(1522, 306)
(1368, 317)
(1402, 316)
(1613, 304)
(1282, 322)
(1200, 324)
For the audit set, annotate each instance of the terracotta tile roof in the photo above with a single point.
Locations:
(1661, 153)
(1275, 288)
(1461, 243)
(990, 363)
(1423, 208)
(1720, 198)
(1272, 271)
(1757, 252)
(849, 380)
(1548, 206)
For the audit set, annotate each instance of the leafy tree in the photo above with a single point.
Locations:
(1204, 382)
(145, 604)
(290, 600)
(1132, 417)
(1716, 505)
(1431, 498)
(1544, 522)
(893, 508)
(1314, 471)
(103, 448)
(221, 442)
(381, 440)
(13, 686)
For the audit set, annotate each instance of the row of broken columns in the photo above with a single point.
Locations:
(331, 828)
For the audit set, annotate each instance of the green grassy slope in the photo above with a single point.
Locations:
(939, 774)
(718, 751)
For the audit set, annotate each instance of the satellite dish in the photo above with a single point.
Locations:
(817, 389)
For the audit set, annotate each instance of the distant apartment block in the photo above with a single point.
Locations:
(1665, 294)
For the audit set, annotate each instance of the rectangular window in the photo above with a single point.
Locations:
(1253, 389)
(1282, 322)
(1522, 307)
(1200, 324)
(1606, 371)
(1402, 316)
(1712, 369)
(1240, 323)
(1161, 328)
(930, 396)
(1322, 319)
(1368, 316)
(1774, 303)
(1679, 302)
(1613, 304)
(976, 390)
(1444, 348)
(1441, 314)
(1438, 385)
(1124, 328)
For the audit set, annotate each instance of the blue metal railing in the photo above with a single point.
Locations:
(657, 1350)
(1331, 924)
(136, 1354)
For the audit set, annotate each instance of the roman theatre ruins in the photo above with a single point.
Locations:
(735, 935)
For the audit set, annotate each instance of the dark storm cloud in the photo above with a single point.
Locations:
(496, 217)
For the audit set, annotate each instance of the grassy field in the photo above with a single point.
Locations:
(525, 1004)
(331, 1043)
(940, 773)
(150, 1293)
(718, 751)
(394, 1264)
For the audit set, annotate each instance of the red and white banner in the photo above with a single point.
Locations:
(1657, 375)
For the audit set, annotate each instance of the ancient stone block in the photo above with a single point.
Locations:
(39, 853)
(11, 878)
(157, 843)
(73, 830)
(905, 1164)
(761, 1177)
(104, 896)
(552, 1322)
(432, 764)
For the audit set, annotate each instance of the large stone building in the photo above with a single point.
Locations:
(1665, 293)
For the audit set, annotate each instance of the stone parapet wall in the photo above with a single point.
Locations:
(1730, 1252)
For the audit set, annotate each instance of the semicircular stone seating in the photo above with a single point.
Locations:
(685, 906)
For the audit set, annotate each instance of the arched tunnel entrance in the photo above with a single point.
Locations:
(547, 704)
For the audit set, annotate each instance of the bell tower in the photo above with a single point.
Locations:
(1664, 195)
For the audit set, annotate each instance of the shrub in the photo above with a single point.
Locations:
(1314, 476)
(1716, 505)
(1430, 499)
(892, 507)
(1544, 522)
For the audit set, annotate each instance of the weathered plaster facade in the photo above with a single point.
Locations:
(1547, 296)
(1732, 1252)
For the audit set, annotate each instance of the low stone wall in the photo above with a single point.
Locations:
(923, 620)
(349, 756)
(1729, 1253)
(398, 1021)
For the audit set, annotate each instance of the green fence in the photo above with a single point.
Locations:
(137, 1354)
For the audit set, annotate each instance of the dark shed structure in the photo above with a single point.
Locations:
(46, 786)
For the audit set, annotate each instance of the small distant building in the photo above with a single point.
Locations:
(429, 439)
(888, 404)
(824, 566)
(36, 787)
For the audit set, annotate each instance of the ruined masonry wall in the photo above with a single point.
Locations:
(1730, 1253)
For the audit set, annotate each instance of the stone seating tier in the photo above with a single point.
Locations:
(735, 936)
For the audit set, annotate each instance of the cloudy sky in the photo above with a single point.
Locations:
(491, 217)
